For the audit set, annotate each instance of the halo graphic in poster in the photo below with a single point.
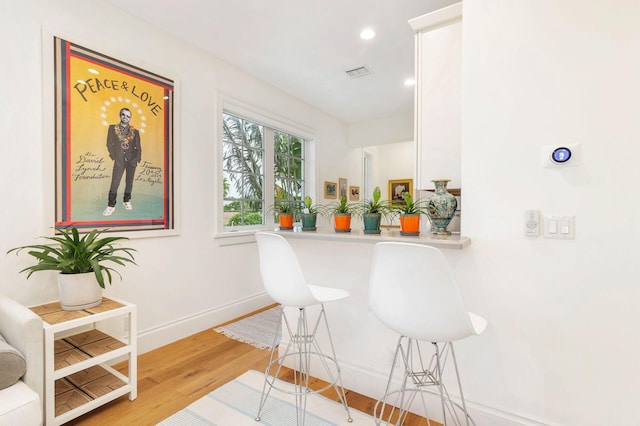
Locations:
(113, 143)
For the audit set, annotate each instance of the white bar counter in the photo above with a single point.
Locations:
(364, 346)
(454, 241)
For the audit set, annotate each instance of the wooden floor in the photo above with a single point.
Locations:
(173, 376)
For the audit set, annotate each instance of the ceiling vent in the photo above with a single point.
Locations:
(359, 72)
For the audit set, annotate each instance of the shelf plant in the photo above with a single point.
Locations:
(373, 211)
(410, 212)
(79, 258)
(341, 212)
(309, 214)
(284, 210)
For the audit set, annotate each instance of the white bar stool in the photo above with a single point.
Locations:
(284, 282)
(412, 291)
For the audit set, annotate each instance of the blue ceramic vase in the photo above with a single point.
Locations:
(442, 207)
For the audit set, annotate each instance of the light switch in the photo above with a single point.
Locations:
(559, 227)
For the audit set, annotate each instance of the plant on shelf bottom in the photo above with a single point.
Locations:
(309, 215)
(373, 211)
(284, 210)
(410, 212)
(342, 215)
(82, 263)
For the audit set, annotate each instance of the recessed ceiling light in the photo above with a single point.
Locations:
(367, 34)
(409, 82)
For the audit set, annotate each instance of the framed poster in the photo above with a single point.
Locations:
(342, 183)
(397, 188)
(114, 134)
(330, 189)
(354, 193)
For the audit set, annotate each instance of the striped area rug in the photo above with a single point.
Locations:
(257, 330)
(236, 404)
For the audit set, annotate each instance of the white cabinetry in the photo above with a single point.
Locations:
(438, 47)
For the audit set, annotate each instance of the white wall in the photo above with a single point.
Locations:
(382, 131)
(562, 345)
(390, 161)
(183, 283)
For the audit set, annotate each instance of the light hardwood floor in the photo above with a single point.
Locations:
(173, 376)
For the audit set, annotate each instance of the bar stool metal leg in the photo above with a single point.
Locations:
(418, 377)
(302, 349)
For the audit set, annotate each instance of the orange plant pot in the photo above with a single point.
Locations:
(410, 224)
(286, 221)
(342, 222)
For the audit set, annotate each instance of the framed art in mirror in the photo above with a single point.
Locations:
(330, 190)
(354, 193)
(397, 188)
(342, 184)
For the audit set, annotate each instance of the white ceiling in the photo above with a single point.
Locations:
(304, 47)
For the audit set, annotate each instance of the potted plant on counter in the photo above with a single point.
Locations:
(410, 212)
(284, 211)
(342, 212)
(82, 263)
(372, 212)
(309, 214)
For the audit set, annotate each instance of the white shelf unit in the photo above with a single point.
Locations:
(61, 328)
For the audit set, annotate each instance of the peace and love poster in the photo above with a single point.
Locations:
(113, 143)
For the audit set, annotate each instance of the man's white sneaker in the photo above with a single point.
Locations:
(128, 205)
(108, 211)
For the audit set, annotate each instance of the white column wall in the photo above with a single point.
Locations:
(562, 343)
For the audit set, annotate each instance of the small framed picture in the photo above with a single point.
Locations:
(397, 188)
(330, 190)
(354, 193)
(342, 183)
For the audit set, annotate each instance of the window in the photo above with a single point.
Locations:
(261, 166)
(243, 171)
(288, 169)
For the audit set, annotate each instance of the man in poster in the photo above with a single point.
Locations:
(123, 144)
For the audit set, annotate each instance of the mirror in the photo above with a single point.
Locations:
(394, 161)
(382, 163)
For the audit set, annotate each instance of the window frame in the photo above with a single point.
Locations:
(271, 123)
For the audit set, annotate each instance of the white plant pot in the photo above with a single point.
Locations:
(79, 291)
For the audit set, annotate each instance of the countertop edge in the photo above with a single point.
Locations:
(457, 242)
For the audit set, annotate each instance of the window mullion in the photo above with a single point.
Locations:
(269, 178)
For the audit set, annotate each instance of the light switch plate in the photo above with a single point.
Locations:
(559, 227)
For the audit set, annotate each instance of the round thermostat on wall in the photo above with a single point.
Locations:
(561, 155)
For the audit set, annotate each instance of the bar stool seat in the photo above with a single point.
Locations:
(412, 290)
(284, 282)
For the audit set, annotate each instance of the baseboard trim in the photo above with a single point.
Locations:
(372, 384)
(155, 337)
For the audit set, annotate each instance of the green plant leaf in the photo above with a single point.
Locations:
(71, 253)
